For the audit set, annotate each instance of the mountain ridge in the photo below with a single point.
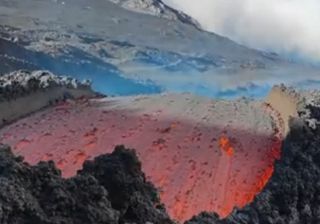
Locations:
(157, 8)
(110, 42)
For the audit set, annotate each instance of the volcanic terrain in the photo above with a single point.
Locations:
(131, 47)
(194, 159)
(202, 154)
(242, 160)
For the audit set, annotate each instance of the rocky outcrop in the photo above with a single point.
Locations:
(111, 189)
(129, 192)
(23, 92)
(21, 83)
(157, 8)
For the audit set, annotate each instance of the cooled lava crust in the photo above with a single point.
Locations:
(111, 189)
(202, 155)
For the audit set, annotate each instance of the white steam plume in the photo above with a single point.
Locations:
(284, 26)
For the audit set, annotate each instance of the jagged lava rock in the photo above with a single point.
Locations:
(39, 194)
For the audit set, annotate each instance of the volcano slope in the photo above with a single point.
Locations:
(127, 53)
(202, 154)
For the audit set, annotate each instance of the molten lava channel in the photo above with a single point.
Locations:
(202, 155)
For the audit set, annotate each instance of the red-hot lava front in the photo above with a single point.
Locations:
(196, 167)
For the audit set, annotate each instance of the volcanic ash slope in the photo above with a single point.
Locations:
(202, 154)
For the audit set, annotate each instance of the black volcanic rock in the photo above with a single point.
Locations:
(38, 194)
(129, 192)
(204, 218)
(292, 195)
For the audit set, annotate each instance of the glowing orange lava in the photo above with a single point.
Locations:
(225, 145)
(196, 167)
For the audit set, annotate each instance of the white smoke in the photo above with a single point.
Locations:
(285, 26)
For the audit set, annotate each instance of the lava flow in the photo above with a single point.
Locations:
(202, 155)
(224, 144)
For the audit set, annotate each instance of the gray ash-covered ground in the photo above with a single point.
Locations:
(139, 46)
(110, 189)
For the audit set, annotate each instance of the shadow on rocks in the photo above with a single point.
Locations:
(111, 189)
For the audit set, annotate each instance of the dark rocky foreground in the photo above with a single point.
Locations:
(292, 195)
(111, 189)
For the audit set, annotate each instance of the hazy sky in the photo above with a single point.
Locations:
(284, 26)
